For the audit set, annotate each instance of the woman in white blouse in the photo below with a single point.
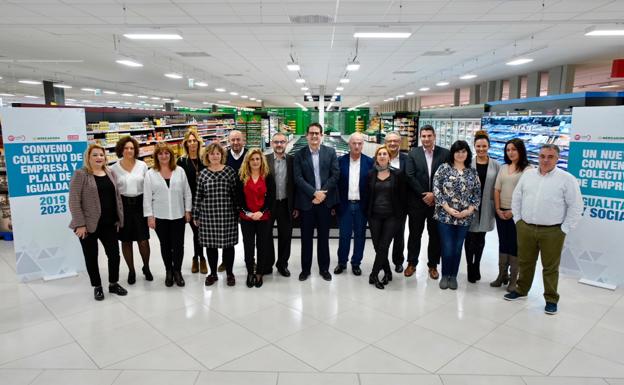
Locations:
(167, 205)
(130, 174)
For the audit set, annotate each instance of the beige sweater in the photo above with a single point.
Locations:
(84, 201)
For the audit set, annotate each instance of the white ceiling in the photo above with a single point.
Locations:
(250, 44)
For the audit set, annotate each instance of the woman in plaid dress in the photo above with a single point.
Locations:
(215, 213)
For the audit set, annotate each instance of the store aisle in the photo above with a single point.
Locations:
(315, 332)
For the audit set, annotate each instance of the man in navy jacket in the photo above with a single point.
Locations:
(316, 174)
(352, 189)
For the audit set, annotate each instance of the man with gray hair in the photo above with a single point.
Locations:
(546, 205)
(397, 162)
(352, 190)
(237, 152)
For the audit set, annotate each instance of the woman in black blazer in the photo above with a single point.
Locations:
(386, 197)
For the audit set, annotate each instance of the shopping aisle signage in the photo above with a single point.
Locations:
(597, 161)
(43, 148)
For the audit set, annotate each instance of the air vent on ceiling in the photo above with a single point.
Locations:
(311, 19)
(194, 54)
(445, 52)
(404, 72)
(232, 75)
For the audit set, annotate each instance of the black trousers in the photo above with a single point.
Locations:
(283, 217)
(171, 236)
(382, 228)
(399, 241)
(474, 244)
(198, 250)
(107, 234)
(417, 218)
(257, 237)
(318, 217)
(213, 259)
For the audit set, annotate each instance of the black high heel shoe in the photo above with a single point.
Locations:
(251, 280)
(258, 282)
(131, 277)
(147, 273)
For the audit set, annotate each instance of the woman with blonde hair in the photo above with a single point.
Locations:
(167, 204)
(97, 213)
(192, 165)
(215, 213)
(256, 195)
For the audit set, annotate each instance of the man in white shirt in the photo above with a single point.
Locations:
(352, 190)
(546, 205)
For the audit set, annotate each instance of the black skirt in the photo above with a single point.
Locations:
(135, 224)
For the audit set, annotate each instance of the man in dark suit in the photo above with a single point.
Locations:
(398, 161)
(281, 167)
(422, 163)
(316, 174)
(352, 190)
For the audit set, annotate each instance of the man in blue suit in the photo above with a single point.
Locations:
(398, 161)
(316, 174)
(352, 190)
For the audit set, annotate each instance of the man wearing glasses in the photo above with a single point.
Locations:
(316, 174)
(281, 167)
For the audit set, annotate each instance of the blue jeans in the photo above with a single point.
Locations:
(351, 221)
(452, 238)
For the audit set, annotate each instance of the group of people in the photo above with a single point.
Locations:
(459, 197)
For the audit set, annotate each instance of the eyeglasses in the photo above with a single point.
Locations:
(279, 141)
(314, 133)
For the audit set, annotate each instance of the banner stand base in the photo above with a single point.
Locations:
(60, 276)
(601, 285)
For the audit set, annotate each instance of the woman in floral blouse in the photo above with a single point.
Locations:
(457, 192)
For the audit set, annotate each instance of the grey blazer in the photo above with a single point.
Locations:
(484, 220)
(84, 201)
(290, 182)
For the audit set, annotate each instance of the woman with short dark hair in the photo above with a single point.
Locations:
(457, 194)
(130, 175)
(167, 205)
(516, 162)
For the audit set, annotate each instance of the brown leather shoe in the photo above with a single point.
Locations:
(202, 266)
(409, 270)
(195, 266)
(433, 273)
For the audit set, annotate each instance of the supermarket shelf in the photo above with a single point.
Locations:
(128, 130)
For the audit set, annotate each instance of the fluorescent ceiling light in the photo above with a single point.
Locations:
(166, 100)
(233, 93)
(220, 89)
(201, 84)
(70, 100)
(60, 85)
(153, 36)
(519, 61)
(223, 101)
(344, 80)
(244, 96)
(155, 98)
(300, 80)
(7, 95)
(142, 97)
(128, 103)
(111, 102)
(127, 94)
(382, 35)
(336, 93)
(353, 66)
(293, 67)
(423, 89)
(206, 103)
(302, 106)
(252, 98)
(110, 92)
(400, 96)
(31, 82)
(259, 100)
(605, 31)
(308, 94)
(358, 106)
(409, 93)
(175, 101)
(468, 76)
(88, 89)
(129, 63)
(304, 88)
(339, 88)
(442, 83)
(85, 101)
(31, 97)
(609, 86)
(173, 75)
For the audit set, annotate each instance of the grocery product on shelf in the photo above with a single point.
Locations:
(449, 130)
(534, 130)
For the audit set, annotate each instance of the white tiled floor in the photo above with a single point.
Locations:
(287, 332)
